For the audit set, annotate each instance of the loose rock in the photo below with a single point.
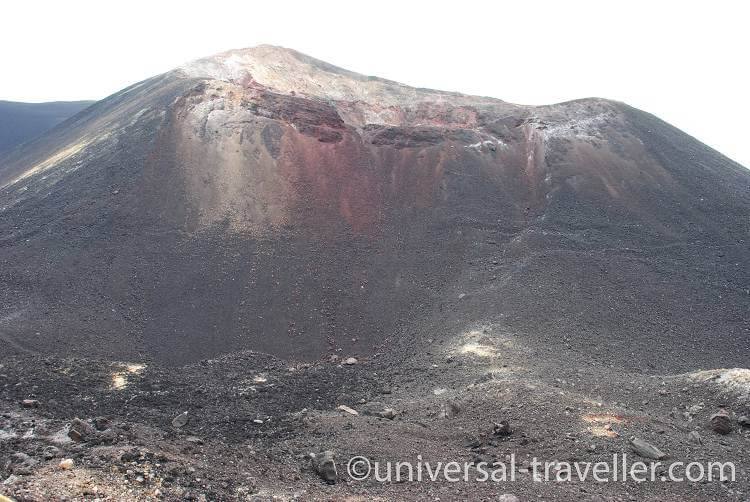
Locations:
(388, 413)
(502, 428)
(80, 430)
(508, 497)
(346, 409)
(21, 463)
(9, 481)
(451, 409)
(695, 437)
(721, 423)
(646, 450)
(351, 361)
(324, 466)
(66, 464)
(194, 440)
(30, 403)
(180, 420)
(101, 423)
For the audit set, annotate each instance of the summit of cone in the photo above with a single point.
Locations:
(288, 71)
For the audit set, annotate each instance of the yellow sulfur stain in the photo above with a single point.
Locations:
(601, 431)
(478, 350)
(601, 424)
(593, 418)
(736, 380)
(120, 377)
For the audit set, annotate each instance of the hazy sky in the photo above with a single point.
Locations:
(686, 62)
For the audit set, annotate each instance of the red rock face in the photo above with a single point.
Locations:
(334, 183)
(266, 161)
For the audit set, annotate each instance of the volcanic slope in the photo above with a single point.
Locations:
(262, 199)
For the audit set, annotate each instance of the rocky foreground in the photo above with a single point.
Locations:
(251, 427)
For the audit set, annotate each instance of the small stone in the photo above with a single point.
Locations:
(101, 423)
(502, 428)
(744, 421)
(130, 455)
(351, 361)
(721, 423)
(324, 466)
(180, 420)
(695, 438)
(646, 450)
(346, 409)
(50, 452)
(451, 409)
(30, 403)
(388, 413)
(66, 464)
(22, 463)
(80, 430)
(9, 481)
(474, 442)
(194, 440)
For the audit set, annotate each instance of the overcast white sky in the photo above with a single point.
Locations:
(686, 62)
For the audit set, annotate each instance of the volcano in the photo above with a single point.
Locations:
(262, 199)
(223, 282)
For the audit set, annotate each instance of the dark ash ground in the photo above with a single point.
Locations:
(254, 419)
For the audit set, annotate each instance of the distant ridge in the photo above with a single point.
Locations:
(22, 122)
